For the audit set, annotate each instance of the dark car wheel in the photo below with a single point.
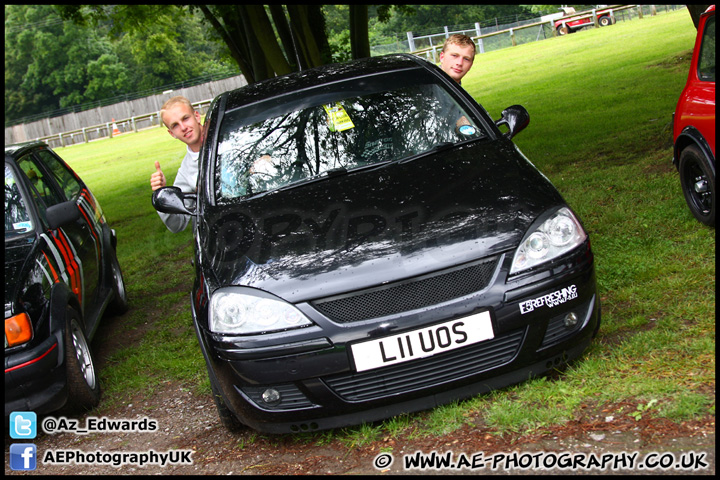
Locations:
(604, 21)
(119, 304)
(698, 184)
(82, 377)
(227, 418)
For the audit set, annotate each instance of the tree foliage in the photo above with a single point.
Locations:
(64, 55)
(55, 64)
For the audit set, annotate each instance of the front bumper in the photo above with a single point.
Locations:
(35, 378)
(303, 380)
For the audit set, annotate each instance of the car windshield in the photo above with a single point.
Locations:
(335, 129)
(17, 219)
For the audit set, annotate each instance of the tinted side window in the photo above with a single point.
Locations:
(65, 179)
(706, 62)
(17, 218)
(40, 182)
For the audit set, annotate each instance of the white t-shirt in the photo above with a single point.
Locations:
(186, 179)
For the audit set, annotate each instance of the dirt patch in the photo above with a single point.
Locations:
(188, 423)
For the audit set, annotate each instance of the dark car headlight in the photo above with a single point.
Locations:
(554, 237)
(244, 311)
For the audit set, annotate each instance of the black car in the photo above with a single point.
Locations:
(61, 274)
(368, 242)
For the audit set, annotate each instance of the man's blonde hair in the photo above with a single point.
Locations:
(171, 103)
(461, 40)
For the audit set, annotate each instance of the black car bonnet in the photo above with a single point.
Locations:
(363, 228)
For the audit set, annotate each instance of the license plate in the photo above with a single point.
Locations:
(423, 342)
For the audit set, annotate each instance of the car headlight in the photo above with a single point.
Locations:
(554, 237)
(245, 311)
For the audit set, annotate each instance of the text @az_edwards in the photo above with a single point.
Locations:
(52, 425)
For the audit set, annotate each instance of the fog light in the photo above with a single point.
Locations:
(271, 396)
(571, 320)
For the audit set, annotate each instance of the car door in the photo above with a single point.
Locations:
(702, 95)
(75, 245)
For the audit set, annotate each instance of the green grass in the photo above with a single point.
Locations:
(600, 103)
(156, 263)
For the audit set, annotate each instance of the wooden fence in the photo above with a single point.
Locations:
(128, 116)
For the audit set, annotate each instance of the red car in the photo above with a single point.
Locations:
(569, 25)
(694, 125)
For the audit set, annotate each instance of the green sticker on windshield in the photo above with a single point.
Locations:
(338, 119)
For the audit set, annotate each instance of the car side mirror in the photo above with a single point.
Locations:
(62, 214)
(516, 118)
(172, 200)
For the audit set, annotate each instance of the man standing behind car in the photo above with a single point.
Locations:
(183, 123)
(456, 59)
(457, 56)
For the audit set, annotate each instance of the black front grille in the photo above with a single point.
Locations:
(410, 294)
(428, 372)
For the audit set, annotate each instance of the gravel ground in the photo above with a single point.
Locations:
(188, 424)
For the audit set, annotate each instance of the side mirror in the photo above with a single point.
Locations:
(62, 214)
(172, 200)
(516, 118)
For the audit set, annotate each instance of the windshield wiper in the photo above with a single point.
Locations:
(336, 172)
(435, 149)
(332, 173)
(441, 146)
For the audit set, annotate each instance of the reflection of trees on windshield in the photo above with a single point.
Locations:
(384, 126)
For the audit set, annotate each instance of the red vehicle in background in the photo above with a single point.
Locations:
(694, 125)
(570, 25)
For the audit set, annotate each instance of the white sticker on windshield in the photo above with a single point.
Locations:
(467, 130)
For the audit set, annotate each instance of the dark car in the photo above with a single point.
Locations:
(369, 243)
(61, 273)
(694, 125)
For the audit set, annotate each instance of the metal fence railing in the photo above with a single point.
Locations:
(495, 35)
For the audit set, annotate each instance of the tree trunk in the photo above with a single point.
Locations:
(316, 19)
(264, 37)
(281, 24)
(305, 40)
(359, 40)
(238, 49)
(695, 12)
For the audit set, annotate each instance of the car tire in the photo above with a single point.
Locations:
(563, 30)
(227, 418)
(604, 21)
(119, 303)
(83, 381)
(698, 184)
